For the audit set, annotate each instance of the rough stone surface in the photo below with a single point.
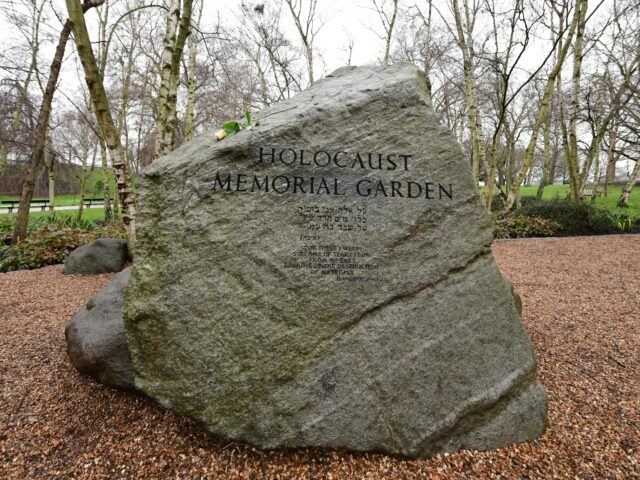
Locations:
(278, 319)
(103, 255)
(96, 342)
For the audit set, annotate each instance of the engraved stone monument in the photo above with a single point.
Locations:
(326, 279)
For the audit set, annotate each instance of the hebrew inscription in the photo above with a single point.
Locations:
(333, 236)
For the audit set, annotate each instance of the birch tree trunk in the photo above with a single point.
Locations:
(168, 43)
(623, 201)
(544, 108)
(596, 174)
(557, 101)
(611, 160)
(189, 120)
(546, 156)
(392, 23)
(549, 163)
(173, 45)
(388, 23)
(123, 131)
(475, 125)
(504, 70)
(49, 161)
(189, 117)
(571, 150)
(511, 161)
(106, 188)
(305, 29)
(183, 32)
(103, 116)
(86, 171)
(116, 208)
(102, 62)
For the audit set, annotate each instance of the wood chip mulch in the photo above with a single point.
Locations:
(581, 307)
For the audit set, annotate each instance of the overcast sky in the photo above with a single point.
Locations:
(340, 19)
(358, 19)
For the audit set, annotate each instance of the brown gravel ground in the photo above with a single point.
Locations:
(582, 309)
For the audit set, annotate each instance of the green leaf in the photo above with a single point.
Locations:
(231, 127)
(247, 116)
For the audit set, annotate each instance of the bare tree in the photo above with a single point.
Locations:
(627, 140)
(628, 145)
(504, 61)
(36, 159)
(269, 50)
(30, 29)
(422, 41)
(349, 47)
(308, 26)
(387, 15)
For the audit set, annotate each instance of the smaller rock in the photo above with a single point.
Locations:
(103, 255)
(96, 343)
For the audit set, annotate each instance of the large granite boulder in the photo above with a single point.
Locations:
(96, 342)
(103, 255)
(326, 279)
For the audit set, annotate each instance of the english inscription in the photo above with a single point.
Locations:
(321, 185)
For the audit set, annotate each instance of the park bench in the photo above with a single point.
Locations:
(43, 204)
(11, 204)
(89, 201)
(590, 191)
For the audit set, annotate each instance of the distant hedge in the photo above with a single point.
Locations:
(563, 216)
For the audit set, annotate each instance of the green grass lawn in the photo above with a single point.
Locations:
(87, 214)
(605, 203)
(62, 200)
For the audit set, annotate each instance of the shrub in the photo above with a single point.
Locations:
(53, 220)
(573, 218)
(6, 224)
(57, 220)
(52, 245)
(624, 221)
(521, 226)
